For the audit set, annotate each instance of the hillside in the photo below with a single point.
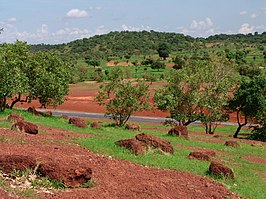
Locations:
(119, 44)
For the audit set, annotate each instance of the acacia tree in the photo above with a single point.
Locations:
(182, 94)
(250, 101)
(219, 79)
(196, 93)
(122, 98)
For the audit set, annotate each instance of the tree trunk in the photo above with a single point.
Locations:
(188, 122)
(237, 131)
(239, 124)
(206, 128)
(3, 103)
(18, 99)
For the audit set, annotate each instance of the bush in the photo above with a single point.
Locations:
(259, 133)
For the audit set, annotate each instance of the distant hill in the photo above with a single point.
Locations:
(145, 42)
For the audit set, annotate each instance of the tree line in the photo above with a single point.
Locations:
(142, 43)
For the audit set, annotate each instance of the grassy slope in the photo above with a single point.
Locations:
(250, 179)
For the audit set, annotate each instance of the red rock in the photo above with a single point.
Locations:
(232, 143)
(132, 127)
(95, 125)
(133, 145)
(34, 111)
(218, 136)
(78, 122)
(71, 176)
(199, 156)
(25, 127)
(178, 131)
(219, 169)
(49, 113)
(18, 162)
(156, 142)
(64, 116)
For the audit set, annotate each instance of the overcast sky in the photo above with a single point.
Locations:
(61, 21)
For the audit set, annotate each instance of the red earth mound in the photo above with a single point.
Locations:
(219, 169)
(199, 155)
(156, 142)
(133, 145)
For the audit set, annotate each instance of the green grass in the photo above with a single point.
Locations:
(250, 181)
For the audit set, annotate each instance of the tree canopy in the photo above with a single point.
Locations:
(196, 93)
(250, 101)
(41, 76)
(122, 98)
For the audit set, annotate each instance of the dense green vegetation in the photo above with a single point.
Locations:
(200, 73)
(128, 43)
(41, 76)
(122, 99)
(144, 51)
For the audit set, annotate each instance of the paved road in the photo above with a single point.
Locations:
(101, 116)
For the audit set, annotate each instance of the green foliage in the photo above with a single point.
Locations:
(163, 50)
(147, 62)
(158, 65)
(98, 75)
(179, 62)
(196, 93)
(249, 70)
(40, 76)
(259, 133)
(119, 73)
(49, 79)
(122, 98)
(14, 59)
(219, 79)
(250, 100)
(92, 62)
(181, 95)
(149, 77)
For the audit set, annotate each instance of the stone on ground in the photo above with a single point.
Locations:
(232, 143)
(219, 169)
(18, 162)
(199, 156)
(132, 127)
(133, 145)
(78, 122)
(25, 127)
(179, 131)
(95, 125)
(156, 142)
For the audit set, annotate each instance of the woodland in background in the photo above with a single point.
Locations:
(203, 76)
